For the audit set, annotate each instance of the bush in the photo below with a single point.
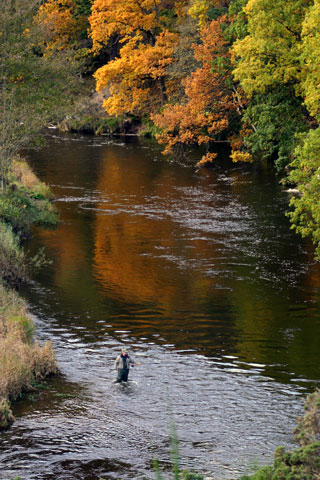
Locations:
(21, 210)
(12, 258)
(6, 417)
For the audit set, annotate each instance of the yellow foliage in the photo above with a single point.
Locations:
(269, 54)
(60, 27)
(124, 18)
(200, 8)
(237, 156)
(310, 56)
(139, 73)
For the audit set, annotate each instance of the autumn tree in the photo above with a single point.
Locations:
(211, 105)
(64, 25)
(145, 30)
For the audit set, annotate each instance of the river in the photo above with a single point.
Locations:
(198, 273)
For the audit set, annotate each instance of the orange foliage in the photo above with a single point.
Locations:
(207, 160)
(239, 152)
(135, 75)
(136, 79)
(210, 102)
(60, 27)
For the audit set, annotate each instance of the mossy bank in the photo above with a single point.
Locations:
(24, 201)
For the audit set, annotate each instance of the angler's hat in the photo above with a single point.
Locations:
(124, 350)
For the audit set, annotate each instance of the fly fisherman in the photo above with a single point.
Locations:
(122, 365)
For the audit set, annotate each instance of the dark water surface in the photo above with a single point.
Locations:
(199, 274)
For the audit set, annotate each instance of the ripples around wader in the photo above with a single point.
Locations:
(199, 275)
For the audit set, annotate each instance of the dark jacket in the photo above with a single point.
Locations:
(123, 362)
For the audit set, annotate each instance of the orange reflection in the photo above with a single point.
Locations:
(139, 255)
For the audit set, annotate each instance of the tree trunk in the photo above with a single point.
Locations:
(164, 97)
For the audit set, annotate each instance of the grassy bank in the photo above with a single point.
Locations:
(23, 362)
(24, 201)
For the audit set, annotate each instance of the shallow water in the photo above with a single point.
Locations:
(199, 274)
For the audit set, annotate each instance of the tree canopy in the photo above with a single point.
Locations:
(199, 71)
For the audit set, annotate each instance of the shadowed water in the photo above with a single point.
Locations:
(199, 274)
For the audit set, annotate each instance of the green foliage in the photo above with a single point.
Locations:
(216, 12)
(303, 463)
(310, 59)
(269, 55)
(305, 213)
(95, 125)
(148, 128)
(82, 7)
(277, 116)
(264, 473)
(12, 258)
(33, 88)
(21, 210)
(238, 27)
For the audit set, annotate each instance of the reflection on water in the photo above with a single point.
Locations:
(200, 274)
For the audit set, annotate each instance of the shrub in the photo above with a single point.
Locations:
(12, 259)
(6, 417)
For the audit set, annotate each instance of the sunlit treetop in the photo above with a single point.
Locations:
(133, 78)
(310, 59)
(143, 19)
(269, 54)
(206, 10)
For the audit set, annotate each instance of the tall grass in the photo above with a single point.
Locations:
(22, 360)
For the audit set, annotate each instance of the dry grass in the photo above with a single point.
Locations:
(22, 361)
(24, 175)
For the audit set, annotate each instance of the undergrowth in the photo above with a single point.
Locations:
(24, 201)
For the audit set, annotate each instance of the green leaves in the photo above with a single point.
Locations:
(277, 116)
(305, 173)
(269, 54)
(310, 60)
(34, 89)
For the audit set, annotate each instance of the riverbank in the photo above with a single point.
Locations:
(302, 463)
(24, 201)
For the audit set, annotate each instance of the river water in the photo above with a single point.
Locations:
(200, 276)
